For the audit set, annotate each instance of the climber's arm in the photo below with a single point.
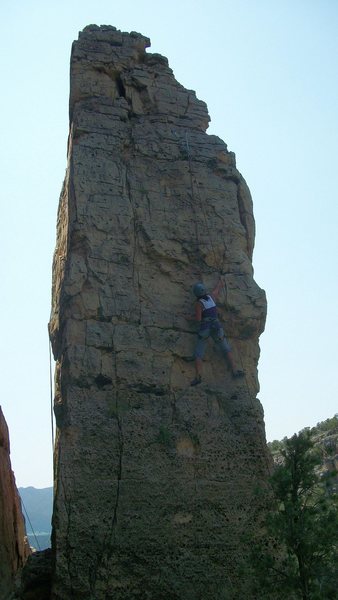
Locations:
(217, 290)
(198, 313)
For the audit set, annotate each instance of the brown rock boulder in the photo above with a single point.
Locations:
(14, 548)
(155, 480)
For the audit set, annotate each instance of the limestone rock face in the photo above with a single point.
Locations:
(14, 548)
(154, 479)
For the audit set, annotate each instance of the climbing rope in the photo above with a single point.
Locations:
(51, 390)
(30, 523)
(218, 267)
(199, 201)
(193, 203)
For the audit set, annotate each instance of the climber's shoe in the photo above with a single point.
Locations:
(237, 373)
(197, 380)
(188, 358)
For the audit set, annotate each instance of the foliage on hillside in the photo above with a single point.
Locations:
(325, 438)
(296, 556)
(328, 428)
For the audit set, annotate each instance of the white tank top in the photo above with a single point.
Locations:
(207, 303)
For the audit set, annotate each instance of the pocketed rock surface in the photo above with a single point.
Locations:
(155, 480)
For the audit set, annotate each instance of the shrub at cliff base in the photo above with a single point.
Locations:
(303, 525)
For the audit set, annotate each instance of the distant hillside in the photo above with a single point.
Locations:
(38, 504)
(325, 437)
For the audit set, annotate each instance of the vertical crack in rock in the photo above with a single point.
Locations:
(68, 549)
(109, 541)
(135, 246)
(155, 480)
(120, 87)
(120, 440)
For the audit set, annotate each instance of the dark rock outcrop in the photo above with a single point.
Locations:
(155, 480)
(14, 548)
(35, 581)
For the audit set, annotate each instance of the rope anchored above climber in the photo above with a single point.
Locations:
(209, 326)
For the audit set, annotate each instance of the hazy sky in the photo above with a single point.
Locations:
(268, 71)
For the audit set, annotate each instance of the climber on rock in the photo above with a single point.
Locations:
(209, 325)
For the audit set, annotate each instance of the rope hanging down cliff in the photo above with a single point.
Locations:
(218, 267)
(193, 196)
(51, 390)
(30, 523)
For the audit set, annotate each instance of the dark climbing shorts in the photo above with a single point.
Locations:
(213, 329)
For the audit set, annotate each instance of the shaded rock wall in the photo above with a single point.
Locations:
(14, 549)
(154, 480)
(35, 580)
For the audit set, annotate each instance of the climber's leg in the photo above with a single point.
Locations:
(199, 353)
(198, 369)
(230, 359)
(220, 339)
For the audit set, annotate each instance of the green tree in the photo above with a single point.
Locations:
(300, 553)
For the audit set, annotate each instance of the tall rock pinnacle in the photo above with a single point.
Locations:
(154, 479)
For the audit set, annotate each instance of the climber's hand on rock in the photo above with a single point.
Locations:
(187, 317)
